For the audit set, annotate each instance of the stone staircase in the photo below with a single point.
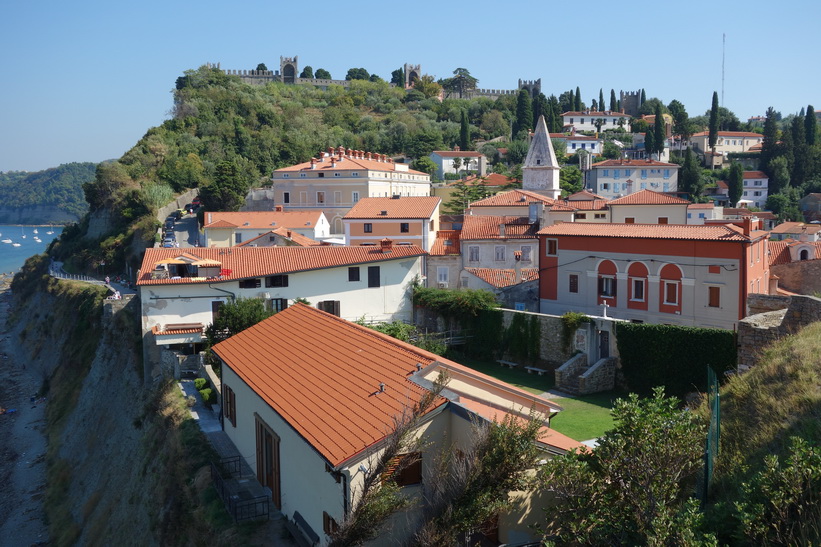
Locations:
(577, 377)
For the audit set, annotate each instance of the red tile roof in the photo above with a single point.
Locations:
(418, 207)
(780, 250)
(247, 262)
(701, 206)
(295, 237)
(584, 195)
(648, 197)
(171, 329)
(626, 162)
(257, 220)
(796, 228)
(567, 137)
(501, 278)
(755, 175)
(591, 205)
(512, 198)
(706, 232)
(346, 160)
(487, 227)
(446, 243)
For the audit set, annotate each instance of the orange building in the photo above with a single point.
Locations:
(668, 274)
(410, 220)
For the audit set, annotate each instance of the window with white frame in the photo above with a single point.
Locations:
(638, 290)
(355, 197)
(473, 253)
(442, 274)
(499, 253)
(671, 293)
(527, 251)
(320, 198)
(607, 286)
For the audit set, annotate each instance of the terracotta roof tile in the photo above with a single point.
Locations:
(501, 278)
(446, 243)
(591, 205)
(706, 232)
(584, 195)
(330, 398)
(796, 228)
(351, 160)
(296, 237)
(648, 197)
(512, 198)
(246, 262)
(487, 227)
(258, 220)
(755, 175)
(595, 114)
(780, 250)
(418, 207)
(701, 206)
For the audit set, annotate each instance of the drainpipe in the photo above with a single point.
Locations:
(233, 296)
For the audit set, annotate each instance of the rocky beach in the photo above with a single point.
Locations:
(22, 439)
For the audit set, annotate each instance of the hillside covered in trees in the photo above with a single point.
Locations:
(54, 195)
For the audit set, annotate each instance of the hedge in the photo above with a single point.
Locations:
(673, 356)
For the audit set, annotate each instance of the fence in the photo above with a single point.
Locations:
(244, 500)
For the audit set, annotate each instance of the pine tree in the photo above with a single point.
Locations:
(572, 101)
(769, 146)
(613, 104)
(540, 108)
(659, 133)
(811, 125)
(799, 151)
(649, 143)
(578, 100)
(464, 133)
(601, 100)
(735, 183)
(713, 138)
(689, 173)
(524, 113)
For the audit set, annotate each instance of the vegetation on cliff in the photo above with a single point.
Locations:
(59, 187)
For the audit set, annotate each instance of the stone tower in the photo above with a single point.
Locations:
(289, 69)
(534, 87)
(540, 171)
(412, 72)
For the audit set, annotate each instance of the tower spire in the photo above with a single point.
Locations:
(540, 171)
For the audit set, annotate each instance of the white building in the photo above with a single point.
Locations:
(587, 120)
(756, 184)
(469, 161)
(615, 178)
(225, 229)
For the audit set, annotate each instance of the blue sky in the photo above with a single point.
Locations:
(83, 81)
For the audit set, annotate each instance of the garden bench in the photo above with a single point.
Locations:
(509, 364)
(531, 370)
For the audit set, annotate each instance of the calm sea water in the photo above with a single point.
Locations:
(12, 258)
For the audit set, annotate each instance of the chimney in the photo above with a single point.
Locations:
(773, 288)
(313, 163)
(747, 225)
(386, 245)
(368, 156)
(330, 150)
(278, 208)
(502, 229)
(456, 148)
(803, 237)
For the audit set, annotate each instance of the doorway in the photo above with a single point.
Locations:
(268, 460)
(604, 344)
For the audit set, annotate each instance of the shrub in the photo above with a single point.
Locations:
(200, 384)
(208, 396)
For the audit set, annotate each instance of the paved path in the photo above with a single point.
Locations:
(56, 270)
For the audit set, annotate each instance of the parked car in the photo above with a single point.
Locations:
(196, 202)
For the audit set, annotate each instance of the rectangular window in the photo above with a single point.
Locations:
(337, 198)
(499, 251)
(286, 197)
(329, 525)
(373, 276)
(701, 215)
(353, 273)
(355, 197)
(278, 304)
(404, 227)
(237, 238)
(644, 186)
(599, 215)
(638, 290)
(644, 173)
(368, 228)
(229, 405)
(605, 186)
(320, 198)
(607, 287)
(630, 220)
(671, 292)
(442, 274)
(714, 300)
(581, 216)
(615, 173)
(605, 173)
(410, 472)
(573, 285)
(321, 175)
(667, 173)
(329, 306)
(473, 253)
(662, 220)
(215, 309)
(250, 283)
(527, 252)
(276, 281)
(552, 247)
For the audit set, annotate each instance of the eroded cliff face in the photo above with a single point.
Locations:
(126, 463)
(35, 215)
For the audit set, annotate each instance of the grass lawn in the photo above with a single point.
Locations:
(583, 418)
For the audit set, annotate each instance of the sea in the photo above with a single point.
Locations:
(12, 258)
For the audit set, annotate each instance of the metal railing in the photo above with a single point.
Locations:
(240, 503)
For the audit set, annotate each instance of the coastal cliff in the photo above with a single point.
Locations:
(125, 462)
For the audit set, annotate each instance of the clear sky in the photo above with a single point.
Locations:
(84, 80)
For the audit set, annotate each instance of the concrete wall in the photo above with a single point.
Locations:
(799, 277)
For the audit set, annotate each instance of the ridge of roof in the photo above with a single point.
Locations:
(648, 197)
(409, 207)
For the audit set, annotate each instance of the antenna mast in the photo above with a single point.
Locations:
(723, 43)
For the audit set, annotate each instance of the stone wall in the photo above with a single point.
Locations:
(259, 199)
(600, 377)
(799, 277)
(761, 303)
(756, 332)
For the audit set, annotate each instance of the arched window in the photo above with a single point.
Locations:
(670, 288)
(804, 254)
(607, 282)
(637, 283)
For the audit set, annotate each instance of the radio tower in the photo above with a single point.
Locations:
(723, 43)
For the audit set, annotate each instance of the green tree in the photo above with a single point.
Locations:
(570, 180)
(714, 121)
(659, 134)
(494, 124)
(649, 143)
(464, 132)
(357, 74)
(643, 98)
(262, 67)
(690, 174)
(681, 121)
(398, 77)
(649, 106)
(554, 119)
(635, 487)
(566, 102)
(424, 164)
(577, 100)
(524, 113)
(423, 143)
(611, 151)
(227, 191)
(322, 74)
(811, 125)
(307, 72)
(516, 152)
(779, 174)
(540, 108)
(735, 183)
(769, 145)
(601, 99)
(427, 86)
(461, 82)
(234, 317)
(613, 104)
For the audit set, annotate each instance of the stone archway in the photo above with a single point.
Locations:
(288, 74)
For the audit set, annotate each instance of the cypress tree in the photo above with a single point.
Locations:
(735, 184)
(578, 100)
(799, 144)
(464, 133)
(572, 100)
(524, 113)
(770, 143)
(811, 125)
(613, 104)
(689, 174)
(601, 100)
(659, 134)
(713, 138)
(643, 98)
(649, 143)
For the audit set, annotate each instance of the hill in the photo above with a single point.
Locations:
(51, 196)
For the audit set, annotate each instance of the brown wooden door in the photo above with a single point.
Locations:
(268, 460)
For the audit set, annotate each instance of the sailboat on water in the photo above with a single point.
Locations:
(23, 232)
(35, 231)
